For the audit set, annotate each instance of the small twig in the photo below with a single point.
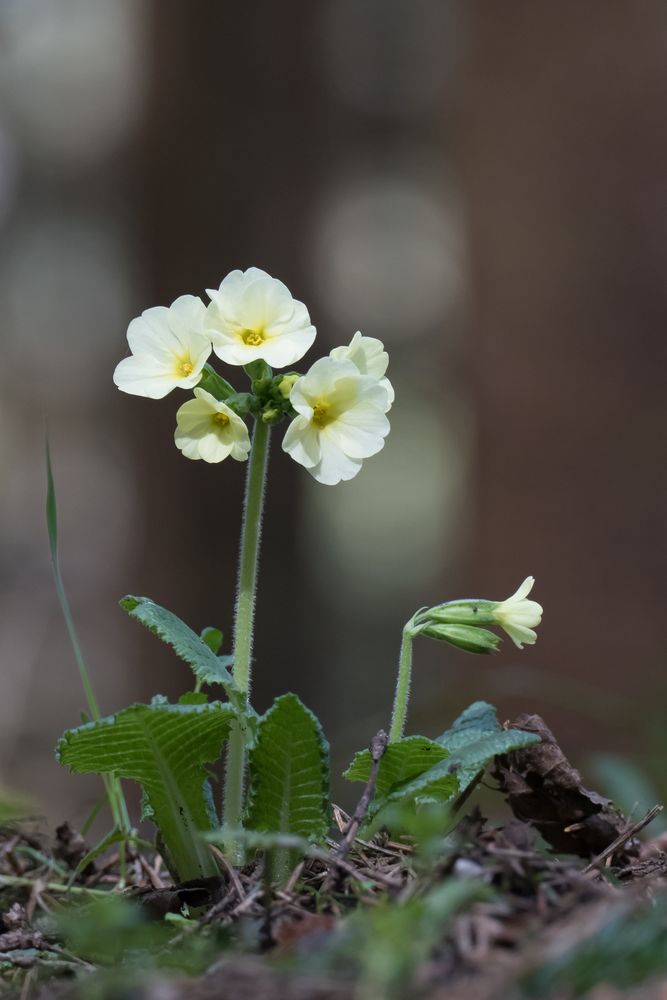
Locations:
(294, 878)
(363, 876)
(622, 839)
(150, 873)
(377, 749)
(247, 902)
(231, 871)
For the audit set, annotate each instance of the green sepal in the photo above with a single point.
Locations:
(258, 371)
(465, 637)
(218, 387)
(465, 612)
(242, 403)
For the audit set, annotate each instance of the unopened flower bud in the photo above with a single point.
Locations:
(467, 637)
(286, 385)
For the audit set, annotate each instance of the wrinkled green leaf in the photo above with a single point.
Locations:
(400, 762)
(205, 665)
(476, 737)
(480, 717)
(438, 771)
(289, 773)
(164, 747)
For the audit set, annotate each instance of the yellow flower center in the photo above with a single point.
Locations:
(221, 419)
(185, 368)
(253, 337)
(321, 415)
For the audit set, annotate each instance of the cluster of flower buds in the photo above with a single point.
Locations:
(337, 409)
(462, 623)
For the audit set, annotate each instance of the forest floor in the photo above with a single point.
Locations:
(567, 899)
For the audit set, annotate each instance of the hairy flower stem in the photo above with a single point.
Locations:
(402, 694)
(243, 624)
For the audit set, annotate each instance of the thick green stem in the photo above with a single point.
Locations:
(244, 620)
(402, 693)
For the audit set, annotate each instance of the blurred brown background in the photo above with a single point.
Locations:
(483, 186)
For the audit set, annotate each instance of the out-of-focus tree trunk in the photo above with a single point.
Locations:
(564, 165)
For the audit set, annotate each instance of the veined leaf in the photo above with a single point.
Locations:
(421, 770)
(401, 768)
(195, 650)
(164, 747)
(400, 762)
(289, 775)
(480, 717)
(476, 737)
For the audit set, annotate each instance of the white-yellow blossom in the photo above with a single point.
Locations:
(340, 420)
(370, 357)
(518, 616)
(169, 349)
(253, 316)
(209, 429)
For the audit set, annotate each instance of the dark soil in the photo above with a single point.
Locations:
(571, 903)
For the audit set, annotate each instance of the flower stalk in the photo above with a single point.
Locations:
(402, 693)
(244, 620)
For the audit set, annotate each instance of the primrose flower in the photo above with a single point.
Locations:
(207, 428)
(253, 316)
(370, 357)
(340, 420)
(169, 349)
(517, 616)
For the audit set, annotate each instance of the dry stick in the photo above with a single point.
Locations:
(377, 748)
(623, 839)
(231, 871)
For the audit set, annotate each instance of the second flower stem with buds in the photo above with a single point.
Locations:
(402, 693)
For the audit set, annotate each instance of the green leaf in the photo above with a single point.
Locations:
(480, 717)
(289, 774)
(400, 762)
(476, 738)
(164, 747)
(205, 665)
(193, 698)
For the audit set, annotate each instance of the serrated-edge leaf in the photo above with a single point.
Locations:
(163, 747)
(467, 761)
(403, 760)
(205, 665)
(478, 718)
(289, 772)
